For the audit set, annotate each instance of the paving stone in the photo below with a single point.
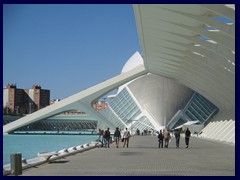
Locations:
(144, 158)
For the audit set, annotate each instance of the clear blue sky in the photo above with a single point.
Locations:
(66, 48)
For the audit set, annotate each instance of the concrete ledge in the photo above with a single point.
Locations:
(46, 157)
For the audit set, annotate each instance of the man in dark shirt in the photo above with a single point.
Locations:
(177, 137)
(117, 136)
(187, 137)
(160, 139)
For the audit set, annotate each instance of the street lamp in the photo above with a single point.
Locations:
(30, 107)
(16, 107)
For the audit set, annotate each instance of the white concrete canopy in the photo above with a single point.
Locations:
(193, 44)
(177, 42)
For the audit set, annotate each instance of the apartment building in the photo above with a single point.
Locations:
(24, 101)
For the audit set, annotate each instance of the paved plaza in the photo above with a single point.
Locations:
(144, 158)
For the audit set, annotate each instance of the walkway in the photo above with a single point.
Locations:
(144, 158)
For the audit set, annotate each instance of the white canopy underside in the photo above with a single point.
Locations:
(189, 44)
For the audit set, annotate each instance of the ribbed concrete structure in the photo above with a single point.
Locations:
(195, 45)
(190, 45)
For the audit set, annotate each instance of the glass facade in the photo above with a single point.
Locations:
(142, 124)
(198, 109)
(110, 115)
(125, 107)
(123, 111)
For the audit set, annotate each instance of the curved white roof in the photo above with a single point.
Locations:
(134, 61)
(194, 44)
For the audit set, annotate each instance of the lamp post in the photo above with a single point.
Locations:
(30, 108)
(16, 107)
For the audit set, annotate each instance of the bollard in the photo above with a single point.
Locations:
(16, 164)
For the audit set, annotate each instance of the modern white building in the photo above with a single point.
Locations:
(186, 73)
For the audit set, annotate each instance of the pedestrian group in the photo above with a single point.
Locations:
(104, 137)
(164, 137)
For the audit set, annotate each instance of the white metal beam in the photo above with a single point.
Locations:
(81, 100)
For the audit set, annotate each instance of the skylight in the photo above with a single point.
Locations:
(210, 29)
(197, 45)
(204, 38)
(198, 54)
(211, 41)
(224, 20)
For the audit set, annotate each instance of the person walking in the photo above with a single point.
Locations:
(177, 137)
(117, 136)
(100, 132)
(187, 137)
(167, 137)
(160, 139)
(126, 136)
(107, 137)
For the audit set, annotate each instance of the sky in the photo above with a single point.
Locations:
(66, 48)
